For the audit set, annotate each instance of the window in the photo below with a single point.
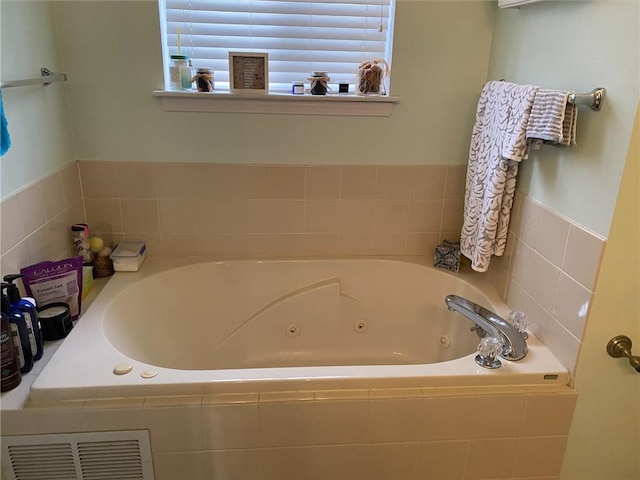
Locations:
(300, 36)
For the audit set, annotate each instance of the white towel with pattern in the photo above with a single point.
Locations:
(498, 144)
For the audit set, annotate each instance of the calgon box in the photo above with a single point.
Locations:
(128, 256)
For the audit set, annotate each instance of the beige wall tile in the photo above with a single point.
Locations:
(104, 210)
(287, 182)
(11, 227)
(356, 215)
(232, 181)
(178, 215)
(452, 215)
(390, 216)
(99, 179)
(286, 423)
(175, 180)
(218, 243)
(234, 244)
(76, 213)
(290, 463)
(358, 182)
(548, 414)
(572, 305)
(389, 243)
(32, 208)
(233, 464)
(170, 466)
(393, 182)
(140, 216)
(220, 216)
(172, 429)
(484, 425)
(540, 456)
(323, 183)
(287, 243)
(563, 344)
(322, 244)
(231, 426)
(256, 215)
(71, 184)
(341, 421)
(536, 275)
(552, 237)
(582, 257)
(441, 460)
(136, 180)
(446, 418)
(539, 319)
(286, 216)
(341, 462)
(253, 244)
(394, 420)
(455, 184)
(452, 237)
(391, 461)
(425, 215)
(482, 462)
(529, 222)
(322, 216)
(53, 195)
(59, 234)
(356, 243)
(180, 244)
(39, 246)
(428, 181)
(421, 243)
(15, 259)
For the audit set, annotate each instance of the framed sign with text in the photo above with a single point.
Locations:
(248, 72)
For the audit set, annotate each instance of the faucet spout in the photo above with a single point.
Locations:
(514, 344)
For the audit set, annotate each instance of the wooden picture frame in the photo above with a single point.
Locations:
(248, 72)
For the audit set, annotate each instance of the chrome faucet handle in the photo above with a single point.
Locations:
(520, 322)
(488, 350)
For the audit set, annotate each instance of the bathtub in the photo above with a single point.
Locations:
(193, 328)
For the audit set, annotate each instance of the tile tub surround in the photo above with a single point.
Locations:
(549, 271)
(35, 221)
(448, 433)
(182, 209)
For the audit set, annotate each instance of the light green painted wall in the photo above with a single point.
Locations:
(37, 116)
(576, 45)
(112, 53)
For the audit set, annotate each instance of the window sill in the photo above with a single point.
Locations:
(278, 103)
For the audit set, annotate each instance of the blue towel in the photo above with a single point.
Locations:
(5, 139)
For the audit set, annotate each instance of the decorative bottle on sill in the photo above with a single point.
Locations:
(180, 72)
(319, 83)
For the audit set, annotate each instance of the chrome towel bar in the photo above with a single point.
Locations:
(47, 77)
(593, 99)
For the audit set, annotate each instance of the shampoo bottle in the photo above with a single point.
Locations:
(27, 307)
(20, 335)
(11, 377)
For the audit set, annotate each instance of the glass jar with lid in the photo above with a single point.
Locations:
(180, 72)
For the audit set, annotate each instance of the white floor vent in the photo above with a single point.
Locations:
(122, 455)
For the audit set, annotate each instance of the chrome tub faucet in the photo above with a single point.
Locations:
(514, 345)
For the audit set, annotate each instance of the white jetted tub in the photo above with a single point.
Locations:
(280, 325)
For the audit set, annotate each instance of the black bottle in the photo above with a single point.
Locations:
(11, 376)
(20, 335)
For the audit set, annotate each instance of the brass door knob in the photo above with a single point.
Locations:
(619, 347)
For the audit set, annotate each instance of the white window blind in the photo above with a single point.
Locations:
(300, 36)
